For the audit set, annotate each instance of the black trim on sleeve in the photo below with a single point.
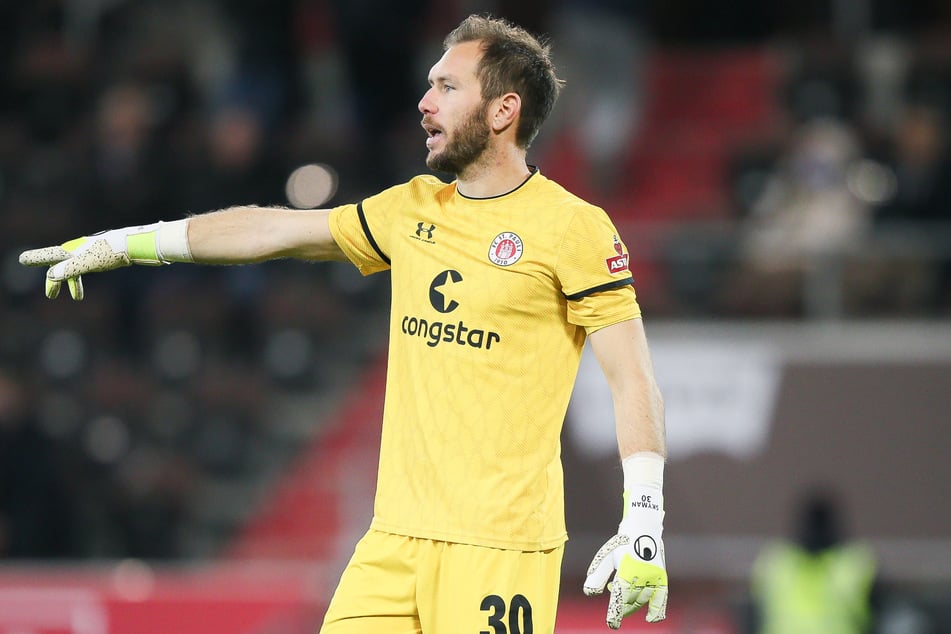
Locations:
(598, 289)
(366, 230)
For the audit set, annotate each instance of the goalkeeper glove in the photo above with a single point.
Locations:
(636, 554)
(155, 244)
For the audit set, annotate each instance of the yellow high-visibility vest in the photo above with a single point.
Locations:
(828, 592)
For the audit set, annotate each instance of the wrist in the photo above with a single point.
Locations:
(643, 490)
(643, 469)
(171, 241)
(157, 243)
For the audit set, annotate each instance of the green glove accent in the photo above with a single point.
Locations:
(142, 249)
(92, 254)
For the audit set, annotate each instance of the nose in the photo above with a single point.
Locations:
(426, 104)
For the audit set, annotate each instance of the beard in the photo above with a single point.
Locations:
(469, 141)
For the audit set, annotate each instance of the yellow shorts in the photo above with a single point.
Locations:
(404, 585)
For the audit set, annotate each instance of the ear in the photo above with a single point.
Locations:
(507, 109)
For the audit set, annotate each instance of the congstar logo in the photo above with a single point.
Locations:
(440, 291)
(443, 299)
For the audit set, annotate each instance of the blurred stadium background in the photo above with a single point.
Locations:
(193, 449)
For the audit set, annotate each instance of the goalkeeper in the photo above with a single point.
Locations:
(498, 278)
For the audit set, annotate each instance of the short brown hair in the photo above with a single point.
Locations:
(513, 60)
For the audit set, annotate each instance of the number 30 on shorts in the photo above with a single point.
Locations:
(514, 618)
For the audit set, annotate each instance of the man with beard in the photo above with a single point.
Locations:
(498, 278)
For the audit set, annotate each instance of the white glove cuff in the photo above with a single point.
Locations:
(171, 241)
(643, 469)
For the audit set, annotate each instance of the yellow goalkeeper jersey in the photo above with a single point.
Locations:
(491, 302)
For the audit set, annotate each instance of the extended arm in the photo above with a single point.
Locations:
(241, 235)
(237, 235)
(635, 555)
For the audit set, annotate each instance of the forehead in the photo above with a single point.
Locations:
(459, 61)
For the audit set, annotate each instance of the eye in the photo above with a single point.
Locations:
(448, 87)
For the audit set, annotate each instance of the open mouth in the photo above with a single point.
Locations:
(434, 133)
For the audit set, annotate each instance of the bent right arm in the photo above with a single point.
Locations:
(248, 234)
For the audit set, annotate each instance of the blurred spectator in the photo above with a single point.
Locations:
(36, 518)
(883, 64)
(913, 220)
(805, 215)
(601, 45)
(236, 165)
(266, 74)
(153, 489)
(824, 82)
(819, 582)
(920, 159)
(50, 80)
(128, 172)
(371, 32)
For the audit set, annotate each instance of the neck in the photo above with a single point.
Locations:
(494, 174)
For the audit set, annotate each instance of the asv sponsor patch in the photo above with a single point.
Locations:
(620, 261)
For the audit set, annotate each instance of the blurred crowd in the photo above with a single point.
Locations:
(115, 412)
(846, 211)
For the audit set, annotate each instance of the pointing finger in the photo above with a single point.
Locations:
(46, 256)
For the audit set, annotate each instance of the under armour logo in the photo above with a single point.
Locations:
(420, 230)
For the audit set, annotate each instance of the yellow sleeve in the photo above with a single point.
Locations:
(593, 267)
(362, 230)
(352, 234)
